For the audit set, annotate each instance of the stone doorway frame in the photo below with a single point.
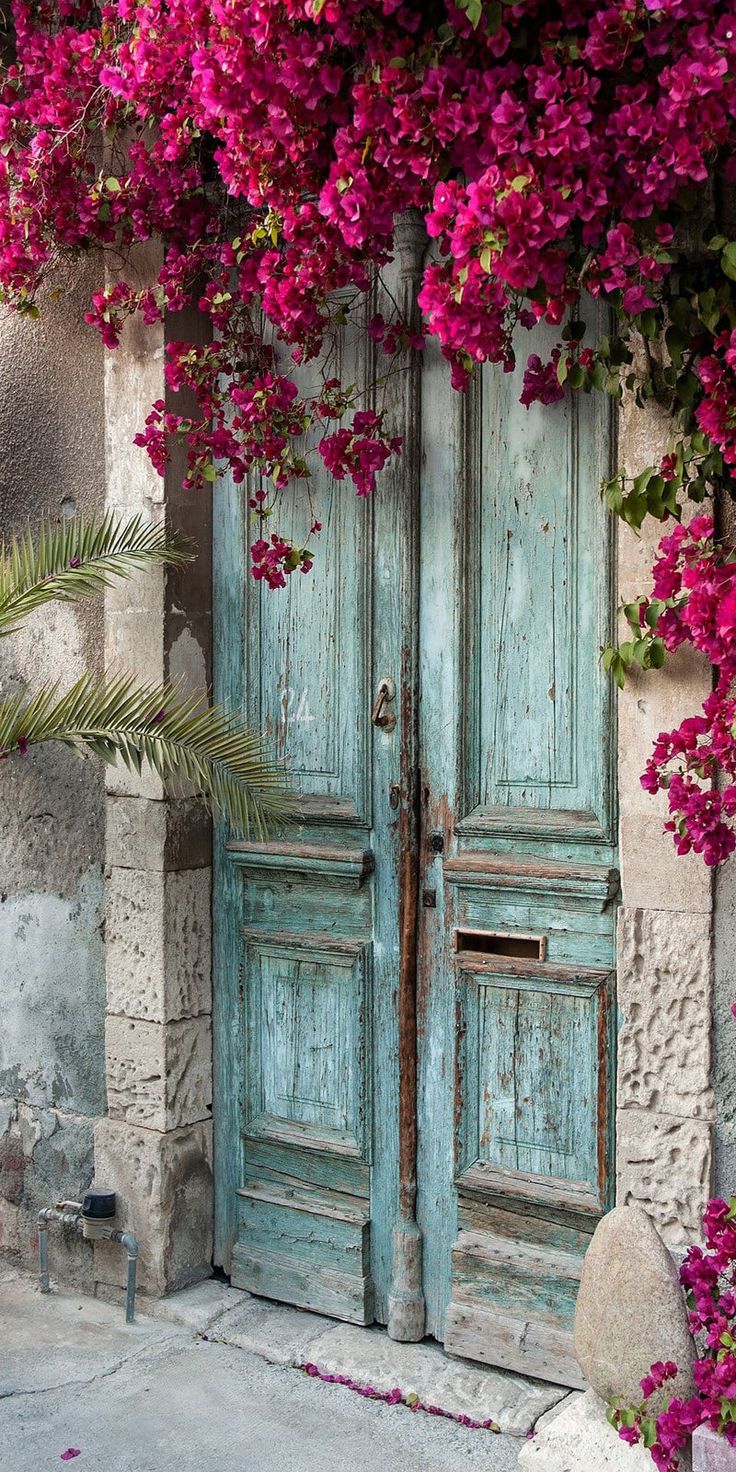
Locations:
(155, 1145)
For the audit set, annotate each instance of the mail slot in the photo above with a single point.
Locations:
(501, 943)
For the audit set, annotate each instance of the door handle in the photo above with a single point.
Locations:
(380, 717)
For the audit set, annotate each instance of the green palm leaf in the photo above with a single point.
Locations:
(180, 736)
(77, 558)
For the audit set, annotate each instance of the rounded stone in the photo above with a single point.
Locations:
(631, 1310)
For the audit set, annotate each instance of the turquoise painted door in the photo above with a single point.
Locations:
(414, 990)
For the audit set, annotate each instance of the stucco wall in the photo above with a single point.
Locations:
(52, 980)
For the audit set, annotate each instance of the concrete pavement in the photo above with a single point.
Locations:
(158, 1397)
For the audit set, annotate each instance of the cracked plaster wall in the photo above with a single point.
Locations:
(52, 981)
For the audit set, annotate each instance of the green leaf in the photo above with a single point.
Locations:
(728, 260)
(474, 11)
(77, 558)
(112, 184)
(649, 323)
(180, 736)
(648, 1432)
(656, 654)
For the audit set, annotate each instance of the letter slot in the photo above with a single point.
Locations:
(499, 943)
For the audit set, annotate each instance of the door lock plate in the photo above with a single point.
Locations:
(429, 899)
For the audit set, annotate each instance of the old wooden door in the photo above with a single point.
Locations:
(413, 990)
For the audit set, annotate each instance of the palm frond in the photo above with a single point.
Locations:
(76, 558)
(180, 736)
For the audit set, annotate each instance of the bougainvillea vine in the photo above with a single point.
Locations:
(709, 1280)
(555, 152)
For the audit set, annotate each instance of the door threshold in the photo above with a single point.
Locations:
(365, 1357)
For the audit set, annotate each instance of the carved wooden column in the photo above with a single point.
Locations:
(406, 1300)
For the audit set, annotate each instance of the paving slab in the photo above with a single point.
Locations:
(580, 1439)
(369, 1358)
(277, 1333)
(195, 1308)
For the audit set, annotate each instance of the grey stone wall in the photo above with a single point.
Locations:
(52, 981)
(666, 1107)
(154, 1148)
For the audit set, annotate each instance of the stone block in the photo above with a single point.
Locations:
(581, 1440)
(631, 1311)
(134, 379)
(665, 984)
(160, 836)
(159, 1075)
(664, 1165)
(711, 1453)
(652, 875)
(459, 1387)
(158, 944)
(164, 1186)
(278, 1333)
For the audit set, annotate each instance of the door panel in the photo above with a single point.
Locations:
(517, 933)
(535, 571)
(312, 929)
(296, 934)
(414, 988)
(308, 663)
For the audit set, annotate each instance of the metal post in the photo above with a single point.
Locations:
(128, 1241)
(43, 1253)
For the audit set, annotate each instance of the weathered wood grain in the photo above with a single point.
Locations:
(404, 1123)
(523, 1345)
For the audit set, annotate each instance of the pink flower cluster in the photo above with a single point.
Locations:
(271, 144)
(709, 1280)
(693, 601)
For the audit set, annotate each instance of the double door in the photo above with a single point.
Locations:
(414, 986)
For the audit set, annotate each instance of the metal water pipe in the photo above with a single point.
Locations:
(93, 1217)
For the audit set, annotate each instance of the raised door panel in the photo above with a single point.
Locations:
(308, 650)
(306, 1041)
(304, 1209)
(537, 717)
(533, 1082)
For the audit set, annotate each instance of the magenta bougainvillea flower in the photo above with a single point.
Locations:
(269, 146)
(707, 1277)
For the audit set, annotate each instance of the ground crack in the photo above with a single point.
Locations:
(94, 1379)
